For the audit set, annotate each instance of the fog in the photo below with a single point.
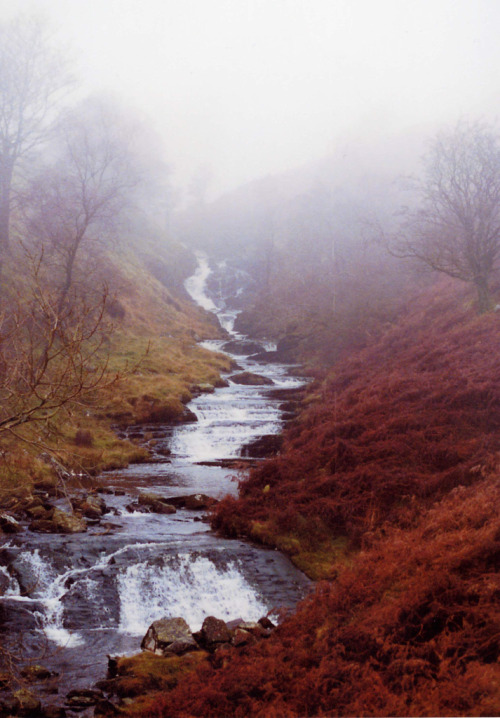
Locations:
(238, 89)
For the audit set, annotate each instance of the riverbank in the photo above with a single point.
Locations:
(394, 465)
(138, 547)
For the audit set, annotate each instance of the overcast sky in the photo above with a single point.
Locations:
(251, 87)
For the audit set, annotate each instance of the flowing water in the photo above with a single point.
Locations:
(69, 600)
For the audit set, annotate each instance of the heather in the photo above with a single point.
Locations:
(388, 433)
(410, 629)
(388, 485)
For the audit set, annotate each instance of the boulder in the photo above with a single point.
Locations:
(60, 523)
(169, 636)
(248, 378)
(242, 638)
(214, 631)
(81, 698)
(91, 506)
(156, 503)
(242, 348)
(9, 525)
(40, 512)
(203, 388)
(194, 502)
(133, 508)
(255, 629)
(187, 416)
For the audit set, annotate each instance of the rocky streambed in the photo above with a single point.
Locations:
(77, 586)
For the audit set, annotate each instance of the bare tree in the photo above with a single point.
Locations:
(33, 78)
(456, 227)
(77, 201)
(49, 357)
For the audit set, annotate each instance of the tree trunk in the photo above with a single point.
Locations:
(6, 165)
(484, 301)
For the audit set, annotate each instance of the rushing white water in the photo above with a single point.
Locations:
(96, 593)
(186, 587)
(195, 284)
(46, 590)
(10, 587)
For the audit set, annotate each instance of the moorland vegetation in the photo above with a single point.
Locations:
(384, 491)
(387, 484)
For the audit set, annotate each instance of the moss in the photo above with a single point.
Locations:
(143, 675)
(318, 560)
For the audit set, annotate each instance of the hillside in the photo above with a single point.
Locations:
(147, 349)
(388, 482)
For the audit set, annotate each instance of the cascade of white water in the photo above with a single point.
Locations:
(184, 586)
(195, 285)
(90, 588)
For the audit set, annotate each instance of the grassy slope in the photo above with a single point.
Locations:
(391, 481)
(153, 333)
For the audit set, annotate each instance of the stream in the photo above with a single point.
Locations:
(70, 600)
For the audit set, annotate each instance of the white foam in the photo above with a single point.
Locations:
(12, 589)
(189, 587)
(195, 285)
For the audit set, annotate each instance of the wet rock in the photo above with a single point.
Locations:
(135, 507)
(40, 512)
(241, 348)
(60, 523)
(169, 636)
(194, 502)
(9, 525)
(203, 388)
(221, 383)
(255, 629)
(91, 506)
(156, 503)
(248, 378)
(266, 623)
(83, 698)
(187, 416)
(263, 446)
(214, 632)
(242, 638)
(263, 357)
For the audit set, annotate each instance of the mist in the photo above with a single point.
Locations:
(239, 90)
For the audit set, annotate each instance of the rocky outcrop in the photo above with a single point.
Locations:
(248, 378)
(214, 633)
(169, 636)
(91, 506)
(9, 525)
(156, 504)
(172, 636)
(60, 523)
(194, 502)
